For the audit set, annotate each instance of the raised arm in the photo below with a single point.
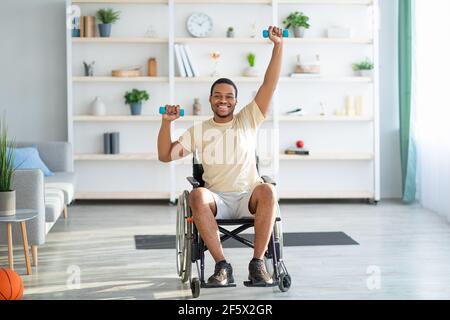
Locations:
(272, 75)
(168, 150)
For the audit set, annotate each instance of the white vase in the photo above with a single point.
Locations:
(251, 72)
(366, 73)
(98, 107)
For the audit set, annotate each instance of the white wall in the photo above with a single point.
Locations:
(33, 72)
(33, 83)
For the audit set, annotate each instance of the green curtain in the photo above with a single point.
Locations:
(405, 61)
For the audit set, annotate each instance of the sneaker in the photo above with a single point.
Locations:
(258, 274)
(223, 274)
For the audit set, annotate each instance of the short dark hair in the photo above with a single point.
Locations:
(224, 80)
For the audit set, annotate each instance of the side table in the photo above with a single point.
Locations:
(21, 216)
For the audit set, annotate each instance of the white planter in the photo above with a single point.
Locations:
(366, 73)
(251, 72)
(98, 107)
(299, 32)
(7, 203)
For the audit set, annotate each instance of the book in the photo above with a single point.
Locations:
(297, 151)
(179, 60)
(89, 26)
(192, 63)
(187, 67)
(82, 22)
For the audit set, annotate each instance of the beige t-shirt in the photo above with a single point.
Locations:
(227, 150)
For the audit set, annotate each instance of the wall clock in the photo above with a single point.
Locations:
(199, 25)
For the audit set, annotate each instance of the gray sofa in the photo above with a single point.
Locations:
(50, 196)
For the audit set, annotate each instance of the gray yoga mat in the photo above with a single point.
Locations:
(294, 239)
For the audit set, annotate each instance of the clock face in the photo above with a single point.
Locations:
(199, 25)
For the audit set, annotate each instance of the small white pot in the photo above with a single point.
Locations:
(98, 107)
(7, 203)
(251, 72)
(366, 73)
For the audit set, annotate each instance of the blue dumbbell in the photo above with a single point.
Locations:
(285, 33)
(162, 110)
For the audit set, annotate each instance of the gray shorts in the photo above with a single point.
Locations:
(232, 205)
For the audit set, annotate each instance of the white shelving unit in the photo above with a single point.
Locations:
(344, 152)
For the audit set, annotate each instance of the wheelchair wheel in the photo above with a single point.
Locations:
(184, 238)
(180, 234)
(285, 282)
(195, 287)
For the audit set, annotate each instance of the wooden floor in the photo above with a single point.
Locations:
(404, 253)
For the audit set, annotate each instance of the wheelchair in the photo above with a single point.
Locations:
(190, 248)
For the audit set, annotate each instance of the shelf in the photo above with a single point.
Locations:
(362, 183)
(142, 118)
(120, 79)
(328, 2)
(312, 2)
(121, 195)
(223, 1)
(119, 40)
(326, 195)
(211, 80)
(157, 118)
(121, 1)
(324, 118)
(282, 79)
(208, 40)
(309, 2)
(328, 156)
(115, 157)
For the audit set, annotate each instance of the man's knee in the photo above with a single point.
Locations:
(265, 192)
(198, 197)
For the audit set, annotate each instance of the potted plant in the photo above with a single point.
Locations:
(107, 17)
(364, 68)
(299, 22)
(230, 32)
(134, 99)
(251, 70)
(7, 195)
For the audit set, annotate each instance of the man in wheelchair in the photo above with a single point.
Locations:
(226, 146)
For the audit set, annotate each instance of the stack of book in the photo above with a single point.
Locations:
(185, 63)
(297, 151)
(84, 27)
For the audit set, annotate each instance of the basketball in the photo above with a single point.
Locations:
(11, 286)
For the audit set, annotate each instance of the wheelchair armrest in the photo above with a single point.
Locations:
(268, 179)
(194, 182)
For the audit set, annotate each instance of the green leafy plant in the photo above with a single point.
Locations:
(251, 59)
(230, 29)
(107, 16)
(6, 159)
(136, 96)
(364, 65)
(297, 19)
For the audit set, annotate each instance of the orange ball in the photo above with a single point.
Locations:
(11, 285)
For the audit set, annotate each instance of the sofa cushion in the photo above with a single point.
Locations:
(54, 204)
(28, 158)
(67, 189)
(69, 177)
(64, 181)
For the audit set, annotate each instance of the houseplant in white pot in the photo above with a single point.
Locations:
(364, 68)
(299, 22)
(107, 17)
(251, 70)
(7, 195)
(135, 99)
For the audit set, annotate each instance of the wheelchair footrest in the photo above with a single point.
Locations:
(207, 285)
(261, 285)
